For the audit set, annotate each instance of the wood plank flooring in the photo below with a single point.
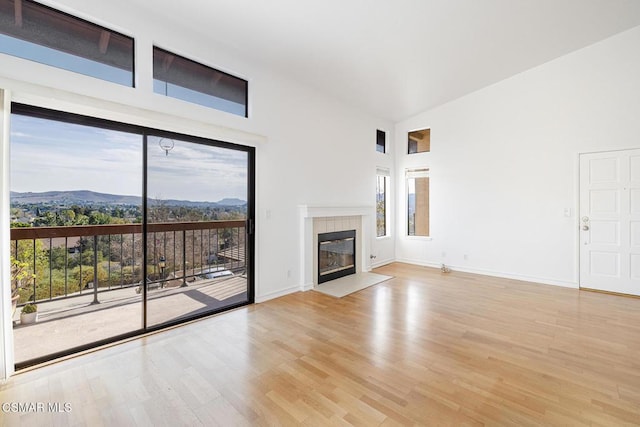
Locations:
(424, 348)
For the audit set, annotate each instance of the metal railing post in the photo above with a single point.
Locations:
(35, 269)
(184, 259)
(50, 268)
(95, 271)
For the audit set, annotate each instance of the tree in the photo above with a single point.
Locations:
(68, 217)
(97, 218)
(87, 275)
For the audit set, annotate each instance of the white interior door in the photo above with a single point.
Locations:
(610, 221)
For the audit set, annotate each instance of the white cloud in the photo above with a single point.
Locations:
(48, 155)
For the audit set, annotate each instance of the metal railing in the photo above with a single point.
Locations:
(77, 260)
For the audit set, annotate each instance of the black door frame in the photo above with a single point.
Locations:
(61, 116)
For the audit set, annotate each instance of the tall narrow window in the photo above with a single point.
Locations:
(39, 33)
(419, 141)
(381, 141)
(182, 78)
(417, 202)
(382, 211)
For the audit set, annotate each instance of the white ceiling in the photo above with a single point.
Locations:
(396, 58)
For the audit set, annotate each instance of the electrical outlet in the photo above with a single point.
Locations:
(288, 274)
(444, 254)
(466, 257)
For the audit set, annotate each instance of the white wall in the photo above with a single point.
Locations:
(384, 248)
(6, 325)
(319, 153)
(311, 150)
(504, 162)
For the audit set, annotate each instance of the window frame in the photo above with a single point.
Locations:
(145, 131)
(386, 175)
(74, 68)
(415, 173)
(198, 65)
(381, 136)
(409, 141)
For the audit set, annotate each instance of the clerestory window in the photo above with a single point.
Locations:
(42, 34)
(182, 78)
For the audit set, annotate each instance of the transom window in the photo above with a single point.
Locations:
(39, 33)
(182, 78)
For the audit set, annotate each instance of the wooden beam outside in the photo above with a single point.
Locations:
(17, 8)
(103, 44)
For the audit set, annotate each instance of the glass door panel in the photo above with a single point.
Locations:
(76, 207)
(196, 233)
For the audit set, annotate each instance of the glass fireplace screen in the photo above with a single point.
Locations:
(336, 255)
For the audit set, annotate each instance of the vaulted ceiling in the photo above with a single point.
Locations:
(397, 58)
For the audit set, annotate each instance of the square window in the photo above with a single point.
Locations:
(419, 141)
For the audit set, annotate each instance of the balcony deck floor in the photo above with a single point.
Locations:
(73, 322)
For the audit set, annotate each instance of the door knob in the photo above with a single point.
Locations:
(585, 227)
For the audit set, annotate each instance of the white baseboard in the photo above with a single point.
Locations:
(501, 274)
(280, 293)
(418, 262)
(381, 263)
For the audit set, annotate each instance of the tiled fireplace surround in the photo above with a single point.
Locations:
(326, 219)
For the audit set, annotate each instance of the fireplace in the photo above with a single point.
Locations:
(336, 255)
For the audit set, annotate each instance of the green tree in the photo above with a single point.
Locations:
(79, 282)
(68, 217)
(97, 218)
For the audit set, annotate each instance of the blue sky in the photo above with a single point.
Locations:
(66, 61)
(48, 155)
(196, 97)
(202, 172)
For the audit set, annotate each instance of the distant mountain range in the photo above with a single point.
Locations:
(81, 197)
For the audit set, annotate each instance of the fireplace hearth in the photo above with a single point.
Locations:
(336, 255)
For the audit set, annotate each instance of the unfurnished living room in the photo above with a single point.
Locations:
(371, 213)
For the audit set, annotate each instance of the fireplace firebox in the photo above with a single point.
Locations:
(336, 255)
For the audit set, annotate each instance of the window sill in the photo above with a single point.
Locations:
(424, 238)
(387, 237)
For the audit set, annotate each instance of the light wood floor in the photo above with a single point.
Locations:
(424, 348)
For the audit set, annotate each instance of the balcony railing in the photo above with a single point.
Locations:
(77, 260)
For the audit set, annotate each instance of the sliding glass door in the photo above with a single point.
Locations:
(117, 230)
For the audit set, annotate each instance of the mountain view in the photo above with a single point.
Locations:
(86, 196)
(84, 207)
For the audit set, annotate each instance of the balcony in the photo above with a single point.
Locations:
(89, 280)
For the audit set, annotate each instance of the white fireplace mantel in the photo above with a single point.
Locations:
(307, 213)
(327, 211)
